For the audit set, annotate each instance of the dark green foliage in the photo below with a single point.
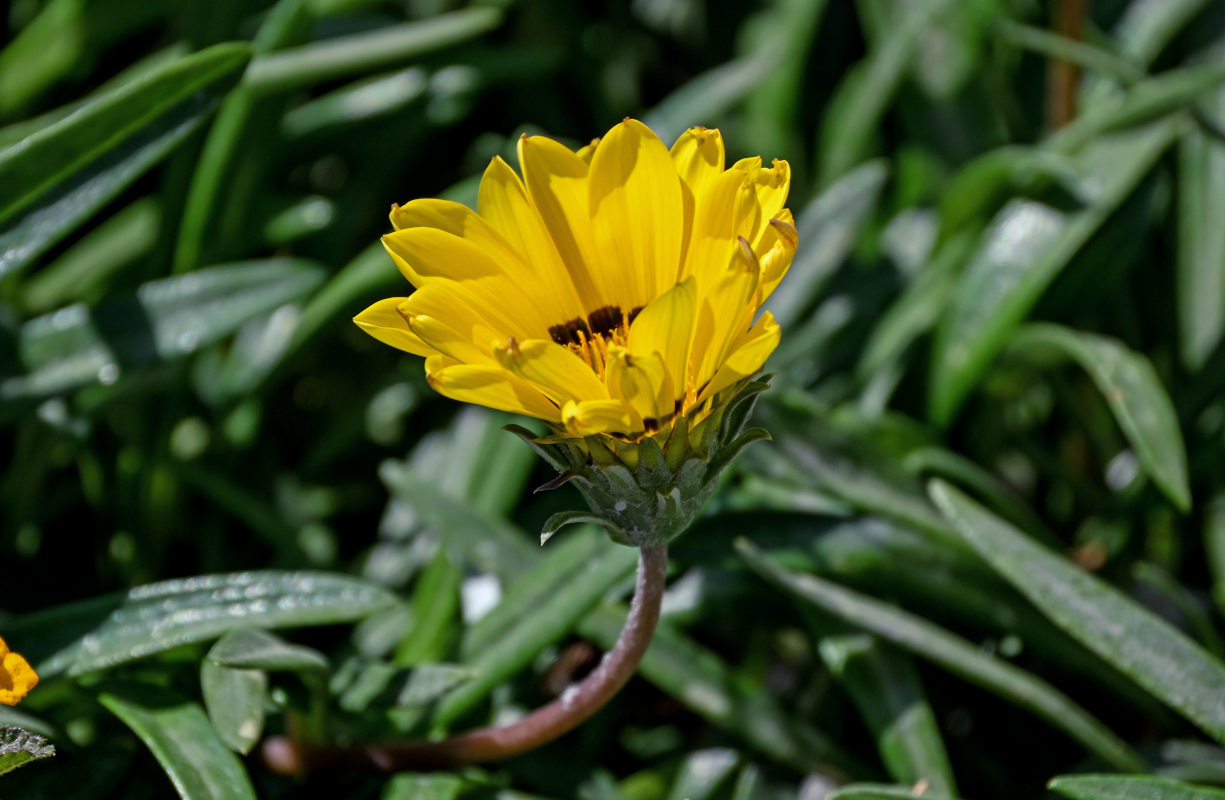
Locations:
(983, 556)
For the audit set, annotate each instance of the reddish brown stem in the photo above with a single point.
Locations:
(574, 706)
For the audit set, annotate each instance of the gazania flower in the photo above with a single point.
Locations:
(609, 292)
(17, 677)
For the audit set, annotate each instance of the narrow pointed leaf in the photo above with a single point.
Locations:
(1134, 640)
(929, 641)
(55, 179)
(1130, 787)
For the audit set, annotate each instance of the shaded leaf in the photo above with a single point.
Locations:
(930, 641)
(1136, 397)
(161, 321)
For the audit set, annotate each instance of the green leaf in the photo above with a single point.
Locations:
(423, 787)
(886, 689)
(863, 96)
(470, 536)
(1135, 395)
(529, 590)
(933, 643)
(67, 40)
(161, 321)
(52, 181)
(548, 623)
(1200, 248)
(232, 146)
(19, 747)
(709, 95)
(1026, 247)
(358, 53)
(880, 791)
(1138, 643)
(115, 629)
(1129, 787)
(183, 741)
(253, 648)
(703, 772)
(436, 612)
(234, 699)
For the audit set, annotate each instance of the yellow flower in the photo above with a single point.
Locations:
(17, 677)
(607, 292)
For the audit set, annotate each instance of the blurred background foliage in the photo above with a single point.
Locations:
(1011, 282)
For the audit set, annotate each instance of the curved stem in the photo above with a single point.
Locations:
(545, 724)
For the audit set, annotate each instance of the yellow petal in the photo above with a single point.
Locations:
(726, 210)
(502, 201)
(775, 251)
(748, 355)
(698, 156)
(17, 677)
(771, 187)
(643, 382)
(665, 326)
(558, 373)
(447, 318)
(556, 181)
(588, 150)
(723, 314)
(431, 255)
(384, 322)
(488, 386)
(601, 416)
(637, 215)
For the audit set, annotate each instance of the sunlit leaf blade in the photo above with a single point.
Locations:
(19, 747)
(1026, 247)
(179, 735)
(1137, 642)
(99, 633)
(929, 641)
(161, 321)
(1130, 787)
(703, 772)
(52, 181)
(357, 53)
(1135, 395)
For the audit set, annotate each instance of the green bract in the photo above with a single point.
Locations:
(647, 492)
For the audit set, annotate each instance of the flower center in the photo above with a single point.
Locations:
(589, 338)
